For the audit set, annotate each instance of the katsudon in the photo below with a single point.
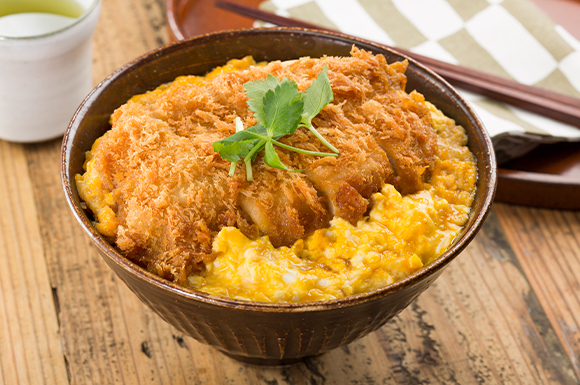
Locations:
(391, 199)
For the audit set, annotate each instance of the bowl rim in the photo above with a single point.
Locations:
(190, 294)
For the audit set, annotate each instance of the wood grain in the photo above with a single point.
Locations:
(547, 244)
(30, 350)
(506, 311)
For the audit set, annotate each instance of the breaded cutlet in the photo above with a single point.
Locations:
(172, 193)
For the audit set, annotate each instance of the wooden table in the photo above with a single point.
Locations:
(506, 311)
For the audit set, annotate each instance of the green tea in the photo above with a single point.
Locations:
(69, 8)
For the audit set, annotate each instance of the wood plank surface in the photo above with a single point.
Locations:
(30, 344)
(547, 244)
(506, 311)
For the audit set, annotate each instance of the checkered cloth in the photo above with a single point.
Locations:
(510, 38)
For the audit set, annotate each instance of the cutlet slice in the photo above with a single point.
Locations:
(408, 140)
(371, 93)
(284, 206)
(349, 180)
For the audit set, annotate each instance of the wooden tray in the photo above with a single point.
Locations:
(547, 177)
(187, 18)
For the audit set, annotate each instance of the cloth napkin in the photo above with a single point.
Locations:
(509, 38)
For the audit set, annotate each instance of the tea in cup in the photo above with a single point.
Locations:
(45, 65)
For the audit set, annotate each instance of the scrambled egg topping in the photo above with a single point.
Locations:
(96, 197)
(400, 235)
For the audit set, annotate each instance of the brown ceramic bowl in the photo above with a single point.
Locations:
(265, 333)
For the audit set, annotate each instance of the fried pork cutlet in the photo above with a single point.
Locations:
(171, 192)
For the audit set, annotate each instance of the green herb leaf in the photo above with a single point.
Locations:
(235, 147)
(318, 95)
(271, 157)
(280, 109)
(255, 91)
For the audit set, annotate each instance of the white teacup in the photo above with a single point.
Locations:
(45, 69)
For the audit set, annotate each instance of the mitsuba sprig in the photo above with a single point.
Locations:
(280, 109)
